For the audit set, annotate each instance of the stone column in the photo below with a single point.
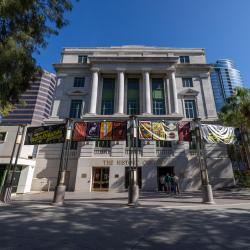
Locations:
(175, 100)
(121, 90)
(147, 104)
(94, 91)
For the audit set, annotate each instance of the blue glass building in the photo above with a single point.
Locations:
(225, 78)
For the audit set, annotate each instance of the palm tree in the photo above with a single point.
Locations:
(236, 113)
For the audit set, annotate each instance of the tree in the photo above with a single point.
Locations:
(24, 28)
(236, 112)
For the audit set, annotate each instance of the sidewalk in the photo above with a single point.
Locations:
(146, 199)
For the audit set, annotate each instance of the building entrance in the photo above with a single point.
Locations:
(100, 179)
(163, 171)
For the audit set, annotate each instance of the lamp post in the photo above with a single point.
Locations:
(61, 188)
(133, 189)
(9, 178)
(206, 187)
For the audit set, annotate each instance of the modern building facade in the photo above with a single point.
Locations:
(96, 84)
(225, 78)
(37, 101)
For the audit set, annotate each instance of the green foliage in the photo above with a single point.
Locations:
(242, 178)
(24, 28)
(236, 111)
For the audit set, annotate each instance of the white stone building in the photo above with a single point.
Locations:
(112, 83)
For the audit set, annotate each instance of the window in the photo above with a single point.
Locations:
(158, 96)
(82, 59)
(184, 59)
(163, 144)
(108, 93)
(75, 109)
(133, 107)
(79, 81)
(133, 99)
(190, 108)
(187, 82)
(103, 144)
(107, 107)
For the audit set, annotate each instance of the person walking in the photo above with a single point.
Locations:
(168, 183)
(176, 184)
(162, 183)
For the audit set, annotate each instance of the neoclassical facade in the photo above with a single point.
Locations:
(96, 84)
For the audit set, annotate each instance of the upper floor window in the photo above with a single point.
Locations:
(184, 59)
(190, 108)
(187, 82)
(158, 96)
(82, 59)
(75, 109)
(133, 99)
(108, 93)
(79, 81)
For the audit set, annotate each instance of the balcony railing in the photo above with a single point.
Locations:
(102, 151)
(164, 152)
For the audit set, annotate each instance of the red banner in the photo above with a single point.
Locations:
(79, 133)
(184, 131)
(119, 131)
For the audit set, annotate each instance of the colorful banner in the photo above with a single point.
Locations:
(45, 134)
(93, 130)
(218, 134)
(158, 131)
(171, 131)
(79, 132)
(184, 131)
(145, 132)
(106, 131)
(120, 131)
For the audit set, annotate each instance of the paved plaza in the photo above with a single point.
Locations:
(97, 221)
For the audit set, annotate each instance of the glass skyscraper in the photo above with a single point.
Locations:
(225, 78)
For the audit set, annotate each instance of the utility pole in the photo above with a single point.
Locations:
(9, 178)
(61, 188)
(206, 187)
(133, 189)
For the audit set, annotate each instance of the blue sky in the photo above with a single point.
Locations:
(222, 27)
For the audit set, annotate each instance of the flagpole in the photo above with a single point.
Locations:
(206, 187)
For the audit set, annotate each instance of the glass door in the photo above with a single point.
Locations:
(100, 179)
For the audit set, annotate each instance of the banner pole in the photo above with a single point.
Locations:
(7, 189)
(61, 188)
(206, 187)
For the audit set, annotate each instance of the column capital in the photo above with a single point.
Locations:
(120, 70)
(94, 69)
(146, 70)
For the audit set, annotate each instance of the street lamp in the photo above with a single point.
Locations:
(133, 189)
(61, 188)
(206, 187)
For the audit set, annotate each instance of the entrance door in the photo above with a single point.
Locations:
(163, 171)
(100, 179)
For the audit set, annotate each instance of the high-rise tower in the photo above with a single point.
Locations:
(225, 78)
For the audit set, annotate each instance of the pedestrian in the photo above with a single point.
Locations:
(168, 183)
(162, 183)
(176, 184)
